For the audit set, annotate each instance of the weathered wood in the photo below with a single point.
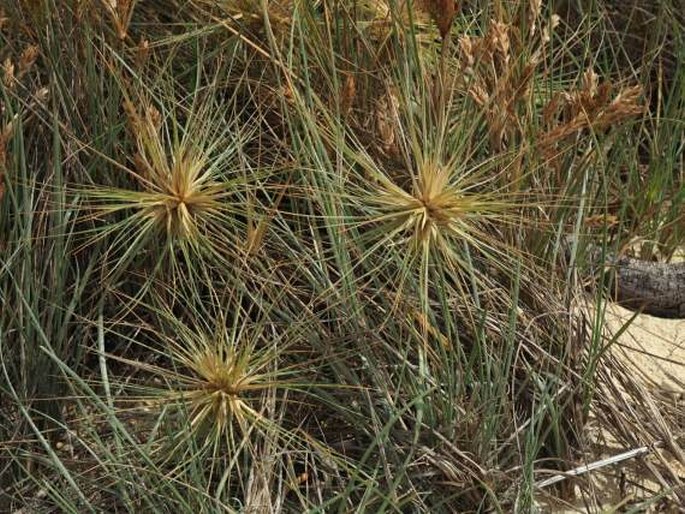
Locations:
(655, 288)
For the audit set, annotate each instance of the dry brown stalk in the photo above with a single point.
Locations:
(5, 136)
(443, 13)
(348, 94)
(386, 117)
(120, 12)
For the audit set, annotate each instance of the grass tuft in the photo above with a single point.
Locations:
(329, 256)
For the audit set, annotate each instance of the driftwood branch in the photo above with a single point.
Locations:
(654, 288)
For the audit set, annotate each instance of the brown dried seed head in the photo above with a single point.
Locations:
(549, 28)
(8, 73)
(551, 111)
(386, 119)
(467, 51)
(287, 94)
(442, 12)
(132, 116)
(629, 99)
(27, 59)
(534, 9)
(479, 95)
(41, 95)
(349, 92)
(590, 82)
(6, 133)
(142, 52)
(499, 32)
(154, 117)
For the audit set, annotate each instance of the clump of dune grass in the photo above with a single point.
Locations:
(186, 182)
(216, 389)
(313, 256)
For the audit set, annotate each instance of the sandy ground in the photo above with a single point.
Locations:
(655, 346)
(655, 349)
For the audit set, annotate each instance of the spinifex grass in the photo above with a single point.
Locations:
(224, 372)
(188, 186)
(211, 386)
(404, 315)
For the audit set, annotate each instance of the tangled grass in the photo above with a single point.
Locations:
(287, 256)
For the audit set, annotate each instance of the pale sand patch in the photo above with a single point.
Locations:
(654, 346)
(655, 349)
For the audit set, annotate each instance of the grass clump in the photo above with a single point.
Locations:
(313, 256)
(182, 197)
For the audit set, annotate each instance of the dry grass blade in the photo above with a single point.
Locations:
(581, 470)
(633, 415)
(306, 256)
